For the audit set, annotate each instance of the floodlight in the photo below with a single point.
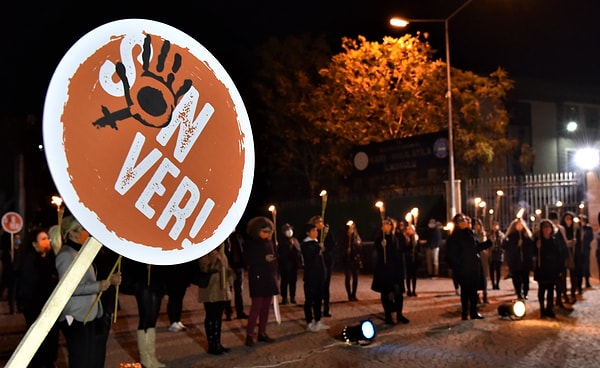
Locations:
(513, 310)
(361, 334)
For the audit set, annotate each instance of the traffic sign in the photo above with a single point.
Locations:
(12, 222)
(148, 141)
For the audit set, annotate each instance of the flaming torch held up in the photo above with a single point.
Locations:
(520, 213)
(323, 196)
(60, 210)
(415, 215)
(381, 206)
(273, 211)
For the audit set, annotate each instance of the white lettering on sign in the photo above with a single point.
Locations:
(155, 186)
(107, 70)
(172, 208)
(131, 171)
(190, 129)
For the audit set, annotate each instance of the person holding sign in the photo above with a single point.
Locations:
(80, 335)
(261, 261)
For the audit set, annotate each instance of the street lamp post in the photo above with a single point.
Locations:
(398, 22)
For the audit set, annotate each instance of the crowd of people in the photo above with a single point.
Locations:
(557, 249)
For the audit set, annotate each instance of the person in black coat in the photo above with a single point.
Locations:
(388, 278)
(37, 277)
(261, 260)
(463, 257)
(548, 264)
(315, 273)
(329, 244)
(582, 256)
(234, 250)
(351, 259)
(289, 259)
(519, 251)
(148, 284)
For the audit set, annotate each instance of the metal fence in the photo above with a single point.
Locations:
(543, 193)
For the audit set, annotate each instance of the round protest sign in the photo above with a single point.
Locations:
(12, 222)
(148, 141)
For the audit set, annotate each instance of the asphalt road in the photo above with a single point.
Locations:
(435, 337)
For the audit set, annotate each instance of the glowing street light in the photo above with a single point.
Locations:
(399, 22)
(587, 158)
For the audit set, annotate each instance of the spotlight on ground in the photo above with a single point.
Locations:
(361, 334)
(512, 310)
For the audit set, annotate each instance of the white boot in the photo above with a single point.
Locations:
(146, 345)
(151, 334)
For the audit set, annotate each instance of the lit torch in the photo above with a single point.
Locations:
(323, 195)
(381, 206)
(415, 215)
(520, 213)
(57, 201)
(273, 211)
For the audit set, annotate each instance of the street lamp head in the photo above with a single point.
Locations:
(398, 22)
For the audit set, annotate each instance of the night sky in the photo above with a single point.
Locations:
(553, 40)
(547, 39)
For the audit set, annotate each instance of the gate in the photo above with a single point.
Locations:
(537, 195)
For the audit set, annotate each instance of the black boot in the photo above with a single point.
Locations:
(223, 349)
(387, 311)
(212, 335)
(542, 310)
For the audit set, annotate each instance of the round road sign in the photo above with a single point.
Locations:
(12, 222)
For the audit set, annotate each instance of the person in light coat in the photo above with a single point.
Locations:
(216, 296)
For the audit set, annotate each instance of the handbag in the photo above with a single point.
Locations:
(198, 277)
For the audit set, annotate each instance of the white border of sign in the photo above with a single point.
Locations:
(57, 161)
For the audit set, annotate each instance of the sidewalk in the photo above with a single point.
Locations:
(435, 336)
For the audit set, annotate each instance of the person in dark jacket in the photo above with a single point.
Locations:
(177, 282)
(409, 243)
(463, 257)
(234, 249)
(519, 251)
(105, 261)
(388, 278)
(497, 255)
(582, 254)
(315, 273)
(149, 287)
(37, 277)
(548, 265)
(573, 237)
(261, 260)
(289, 259)
(329, 244)
(432, 241)
(351, 259)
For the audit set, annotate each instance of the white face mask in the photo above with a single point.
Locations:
(289, 233)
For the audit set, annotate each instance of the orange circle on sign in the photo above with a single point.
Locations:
(148, 141)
